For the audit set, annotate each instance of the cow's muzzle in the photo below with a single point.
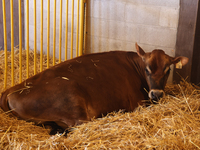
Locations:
(156, 94)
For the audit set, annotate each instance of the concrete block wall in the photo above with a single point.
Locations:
(118, 24)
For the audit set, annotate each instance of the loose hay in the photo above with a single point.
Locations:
(174, 123)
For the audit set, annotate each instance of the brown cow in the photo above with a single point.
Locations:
(90, 86)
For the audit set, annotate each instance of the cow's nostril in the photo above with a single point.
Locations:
(152, 95)
(159, 94)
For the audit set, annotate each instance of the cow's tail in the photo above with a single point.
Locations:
(4, 102)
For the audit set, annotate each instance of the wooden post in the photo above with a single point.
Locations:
(185, 37)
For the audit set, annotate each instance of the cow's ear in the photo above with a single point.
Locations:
(180, 61)
(140, 51)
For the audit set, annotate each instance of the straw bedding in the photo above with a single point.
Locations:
(174, 123)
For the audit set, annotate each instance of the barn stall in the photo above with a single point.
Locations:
(171, 124)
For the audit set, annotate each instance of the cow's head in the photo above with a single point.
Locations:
(157, 69)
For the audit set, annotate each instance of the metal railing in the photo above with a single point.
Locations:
(79, 34)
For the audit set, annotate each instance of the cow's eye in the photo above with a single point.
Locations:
(147, 71)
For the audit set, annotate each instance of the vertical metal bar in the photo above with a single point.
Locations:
(20, 42)
(81, 33)
(84, 29)
(12, 42)
(60, 32)
(77, 28)
(27, 38)
(72, 28)
(48, 31)
(5, 43)
(66, 30)
(41, 38)
(54, 33)
(35, 37)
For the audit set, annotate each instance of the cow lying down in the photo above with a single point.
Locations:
(89, 86)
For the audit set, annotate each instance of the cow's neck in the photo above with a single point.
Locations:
(139, 65)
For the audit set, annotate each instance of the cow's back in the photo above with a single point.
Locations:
(112, 84)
